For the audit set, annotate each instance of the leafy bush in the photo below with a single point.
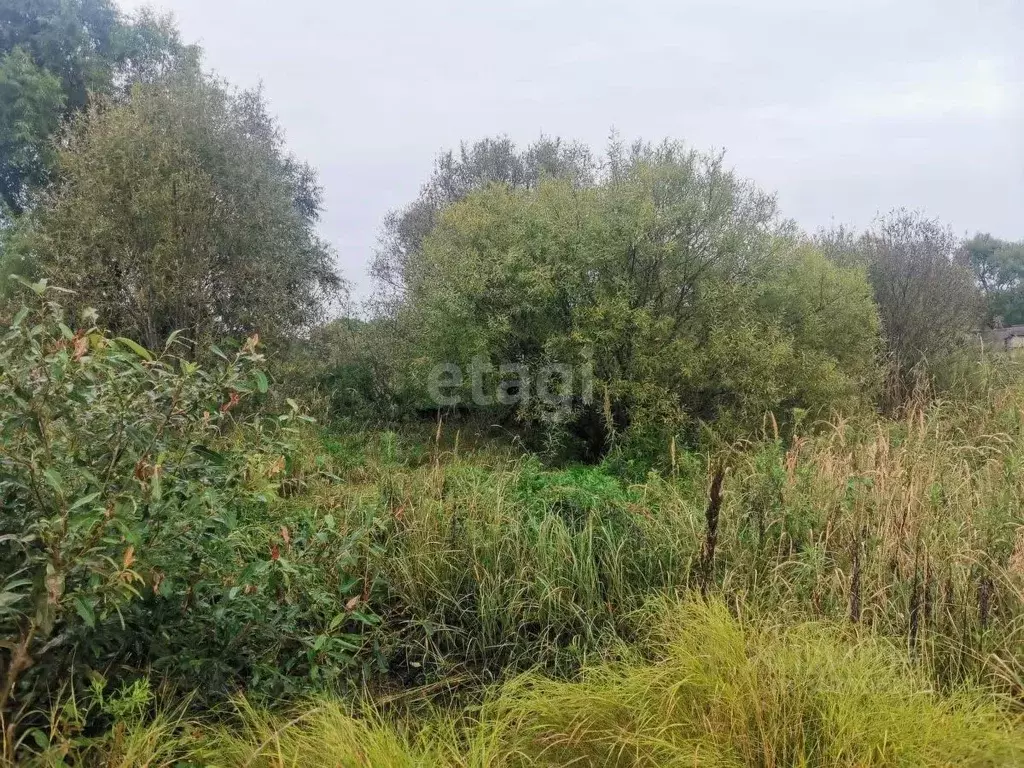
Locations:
(673, 281)
(574, 494)
(134, 519)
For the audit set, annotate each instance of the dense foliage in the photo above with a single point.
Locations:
(603, 415)
(998, 267)
(55, 56)
(481, 564)
(671, 280)
(179, 211)
(488, 161)
(711, 690)
(133, 518)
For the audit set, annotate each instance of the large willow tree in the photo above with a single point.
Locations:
(678, 282)
(179, 209)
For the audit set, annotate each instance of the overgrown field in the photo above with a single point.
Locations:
(478, 561)
(700, 688)
(852, 594)
(616, 465)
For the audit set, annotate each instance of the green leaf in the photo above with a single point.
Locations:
(154, 486)
(206, 453)
(39, 288)
(84, 521)
(346, 643)
(8, 599)
(171, 340)
(18, 318)
(54, 481)
(261, 381)
(40, 738)
(84, 500)
(86, 612)
(12, 585)
(135, 347)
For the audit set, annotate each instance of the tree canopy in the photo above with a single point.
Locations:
(55, 55)
(999, 270)
(922, 282)
(675, 280)
(180, 210)
(475, 166)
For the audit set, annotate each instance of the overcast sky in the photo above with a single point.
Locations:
(844, 108)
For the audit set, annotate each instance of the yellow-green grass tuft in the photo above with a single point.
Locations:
(709, 690)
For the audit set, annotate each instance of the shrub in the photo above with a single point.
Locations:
(673, 281)
(133, 517)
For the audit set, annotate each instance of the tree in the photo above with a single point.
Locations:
(998, 269)
(54, 56)
(491, 160)
(179, 209)
(672, 280)
(922, 282)
(31, 104)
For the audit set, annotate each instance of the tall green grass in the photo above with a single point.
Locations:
(702, 688)
(481, 564)
(720, 693)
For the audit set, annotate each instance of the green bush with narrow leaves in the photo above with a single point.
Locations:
(135, 491)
